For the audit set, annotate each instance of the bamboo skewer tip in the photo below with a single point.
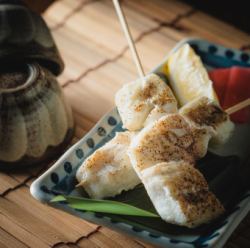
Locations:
(129, 39)
(80, 184)
(238, 106)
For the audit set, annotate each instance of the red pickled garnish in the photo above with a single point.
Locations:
(220, 78)
(232, 85)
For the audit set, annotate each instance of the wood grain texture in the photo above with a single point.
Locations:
(98, 63)
(8, 240)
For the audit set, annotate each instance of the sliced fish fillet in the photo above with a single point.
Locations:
(171, 138)
(108, 171)
(136, 101)
(180, 194)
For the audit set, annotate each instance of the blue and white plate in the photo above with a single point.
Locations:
(60, 178)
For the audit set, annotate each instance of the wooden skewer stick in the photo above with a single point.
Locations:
(129, 38)
(80, 184)
(238, 106)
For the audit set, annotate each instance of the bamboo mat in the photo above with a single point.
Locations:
(97, 64)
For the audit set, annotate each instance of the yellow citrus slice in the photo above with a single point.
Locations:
(188, 77)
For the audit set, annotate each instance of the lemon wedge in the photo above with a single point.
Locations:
(188, 77)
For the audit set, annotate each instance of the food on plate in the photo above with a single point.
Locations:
(140, 100)
(164, 154)
(180, 194)
(171, 138)
(232, 86)
(188, 77)
(108, 171)
(154, 115)
(204, 112)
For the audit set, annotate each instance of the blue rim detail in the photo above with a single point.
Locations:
(54, 177)
(101, 131)
(112, 121)
(45, 189)
(212, 49)
(90, 143)
(98, 215)
(154, 236)
(68, 167)
(79, 153)
(244, 57)
(229, 54)
(136, 229)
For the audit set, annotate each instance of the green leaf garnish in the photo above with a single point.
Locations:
(103, 206)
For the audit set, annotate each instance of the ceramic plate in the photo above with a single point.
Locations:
(60, 178)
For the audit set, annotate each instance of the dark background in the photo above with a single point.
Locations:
(234, 12)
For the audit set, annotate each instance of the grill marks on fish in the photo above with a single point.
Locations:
(207, 114)
(169, 139)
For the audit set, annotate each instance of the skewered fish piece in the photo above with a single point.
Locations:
(204, 112)
(180, 194)
(137, 100)
(163, 154)
(154, 115)
(108, 171)
(171, 138)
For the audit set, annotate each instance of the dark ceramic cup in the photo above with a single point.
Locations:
(35, 120)
(24, 36)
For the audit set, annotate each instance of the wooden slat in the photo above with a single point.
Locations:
(60, 10)
(21, 176)
(11, 224)
(144, 245)
(120, 239)
(96, 46)
(52, 226)
(7, 182)
(82, 121)
(79, 132)
(83, 243)
(86, 23)
(22, 217)
(164, 11)
(7, 240)
(103, 241)
(11, 180)
(67, 246)
(27, 175)
(86, 53)
(161, 40)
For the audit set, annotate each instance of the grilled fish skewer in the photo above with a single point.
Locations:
(206, 113)
(171, 138)
(180, 194)
(136, 101)
(164, 154)
(108, 171)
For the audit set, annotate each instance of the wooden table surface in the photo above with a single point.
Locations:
(97, 64)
